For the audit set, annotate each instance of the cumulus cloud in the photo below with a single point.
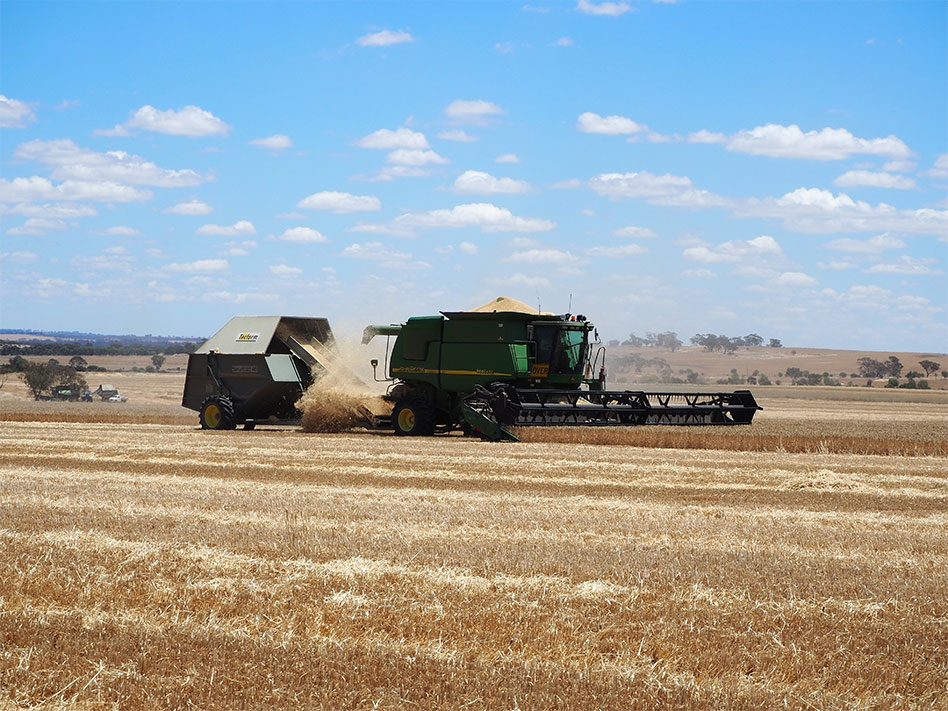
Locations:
(191, 207)
(386, 139)
(590, 122)
(72, 162)
(612, 9)
(412, 157)
(507, 158)
(241, 227)
(285, 270)
(542, 256)
(795, 279)
(779, 141)
(200, 266)
(458, 135)
(480, 183)
(635, 232)
(62, 210)
(477, 111)
(873, 245)
(340, 202)
(940, 167)
(659, 189)
(238, 249)
(14, 113)
(564, 42)
(191, 121)
(276, 142)
(625, 250)
(387, 257)
(488, 217)
(468, 248)
(120, 231)
(820, 211)
(909, 266)
(384, 38)
(868, 178)
(302, 235)
(735, 250)
(37, 226)
(35, 189)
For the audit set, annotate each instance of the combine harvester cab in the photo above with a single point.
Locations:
(255, 368)
(487, 371)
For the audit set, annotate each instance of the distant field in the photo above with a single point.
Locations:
(798, 563)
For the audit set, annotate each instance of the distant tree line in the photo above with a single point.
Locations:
(668, 340)
(52, 348)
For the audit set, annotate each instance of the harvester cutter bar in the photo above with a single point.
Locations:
(564, 408)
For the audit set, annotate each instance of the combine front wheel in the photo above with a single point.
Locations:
(414, 416)
(217, 413)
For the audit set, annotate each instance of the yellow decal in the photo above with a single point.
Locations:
(248, 337)
(540, 370)
(415, 370)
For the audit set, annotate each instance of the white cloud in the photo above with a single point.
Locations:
(819, 211)
(285, 270)
(384, 38)
(480, 183)
(659, 189)
(467, 248)
(705, 136)
(524, 280)
(699, 273)
(241, 227)
(940, 167)
(507, 158)
(827, 144)
(378, 252)
(238, 298)
(458, 135)
(70, 162)
(238, 249)
(488, 217)
(413, 157)
(625, 250)
(542, 256)
(391, 172)
(21, 256)
(570, 184)
(613, 9)
(276, 142)
(873, 245)
(14, 113)
(191, 207)
(868, 178)
(590, 122)
(795, 279)
(386, 139)
(35, 188)
(837, 265)
(120, 230)
(564, 42)
(522, 242)
(190, 121)
(302, 235)
(504, 47)
(735, 250)
(899, 166)
(635, 232)
(201, 266)
(906, 265)
(51, 210)
(477, 111)
(340, 202)
(37, 226)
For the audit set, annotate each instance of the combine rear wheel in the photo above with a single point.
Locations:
(217, 413)
(414, 417)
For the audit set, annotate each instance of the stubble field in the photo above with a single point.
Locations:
(153, 565)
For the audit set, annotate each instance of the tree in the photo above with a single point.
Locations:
(78, 362)
(894, 367)
(775, 343)
(669, 340)
(158, 361)
(929, 366)
(872, 368)
(18, 364)
(752, 340)
(38, 378)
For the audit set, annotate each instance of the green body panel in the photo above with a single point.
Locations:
(448, 356)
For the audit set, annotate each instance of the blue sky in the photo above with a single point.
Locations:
(777, 168)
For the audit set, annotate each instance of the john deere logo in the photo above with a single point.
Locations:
(248, 337)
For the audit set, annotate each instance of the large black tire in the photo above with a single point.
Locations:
(217, 413)
(414, 417)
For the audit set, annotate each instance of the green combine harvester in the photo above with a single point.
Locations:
(488, 371)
